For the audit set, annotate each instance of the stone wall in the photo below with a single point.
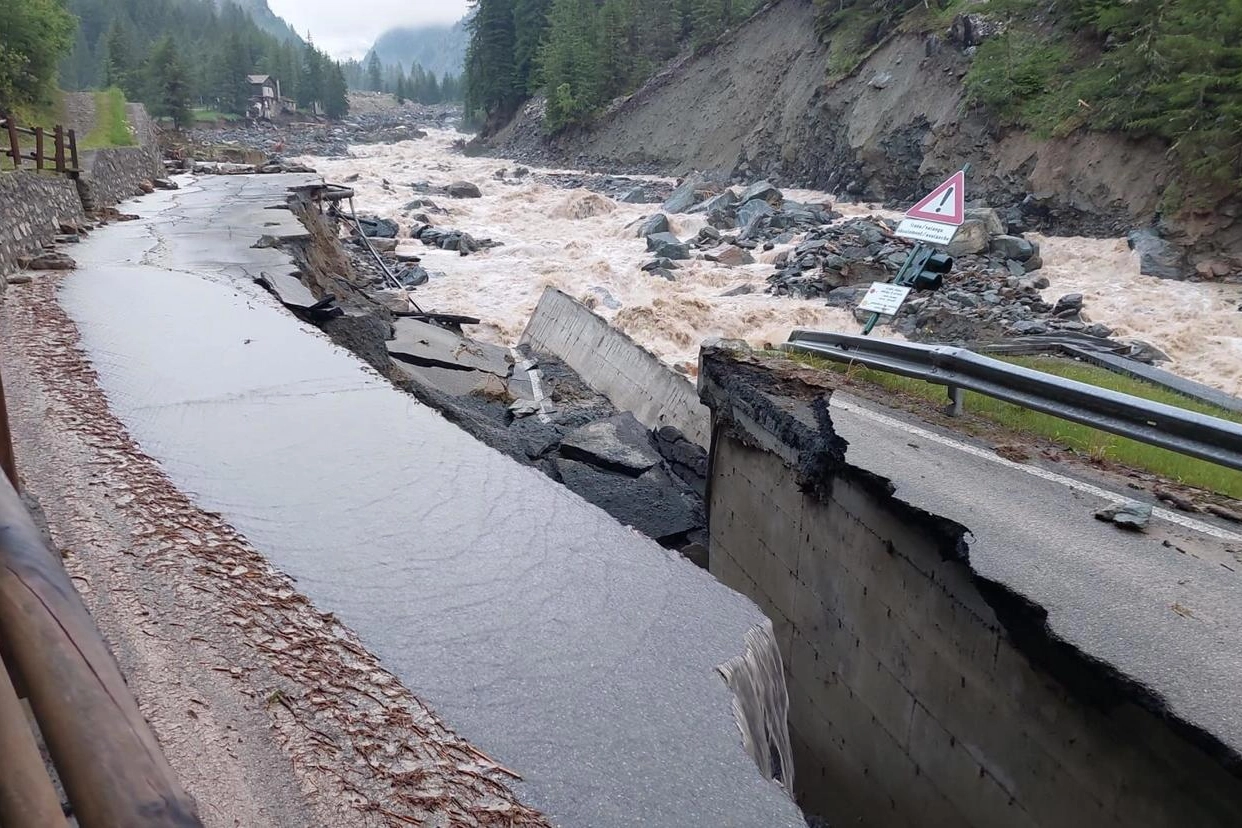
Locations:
(114, 175)
(616, 366)
(912, 703)
(32, 206)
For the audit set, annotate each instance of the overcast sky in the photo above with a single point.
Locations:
(347, 28)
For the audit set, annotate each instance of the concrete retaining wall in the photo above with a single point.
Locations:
(616, 366)
(910, 702)
(32, 207)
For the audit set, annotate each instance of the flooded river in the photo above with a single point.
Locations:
(581, 243)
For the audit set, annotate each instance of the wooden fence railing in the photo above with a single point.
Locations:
(64, 146)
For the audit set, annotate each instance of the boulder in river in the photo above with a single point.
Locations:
(1013, 247)
(751, 211)
(652, 225)
(732, 256)
(378, 228)
(463, 189)
(684, 197)
(763, 191)
(990, 218)
(668, 246)
(1156, 256)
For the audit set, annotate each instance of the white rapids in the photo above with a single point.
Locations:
(581, 242)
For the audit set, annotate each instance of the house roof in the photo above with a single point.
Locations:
(258, 78)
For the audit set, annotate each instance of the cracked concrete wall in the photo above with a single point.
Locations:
(616, 366)
(910, 704)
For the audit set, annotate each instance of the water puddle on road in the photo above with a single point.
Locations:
(562, 643)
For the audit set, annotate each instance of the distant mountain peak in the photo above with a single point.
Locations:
(440, 49)
(265, 18)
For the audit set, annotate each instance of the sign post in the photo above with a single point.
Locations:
(934, 219)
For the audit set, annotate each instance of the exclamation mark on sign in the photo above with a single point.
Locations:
(940, 206)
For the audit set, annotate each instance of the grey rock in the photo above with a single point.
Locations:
(1132, 516)
(751, 211)
(375, 227)
(1034, 263)
(668, 246)
(657, 264)
(972, 237)
(708, 234)
(847, 296)
(733, 256)
(1012, 247)
(1028, 328)
(50, 261)
(684, 197)
(523, 408)
(880, 80)
(739, 290)
(664, 273)
(20, 279)
(463, 189)
(165, 184)
(990, 218)
(1157, 257)
(652, 225)
(1070, 303)
(762, 191)
(719, 202)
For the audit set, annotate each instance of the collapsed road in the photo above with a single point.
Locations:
(581, 656)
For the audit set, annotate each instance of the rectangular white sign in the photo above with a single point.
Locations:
(927, 231)
(884, 299)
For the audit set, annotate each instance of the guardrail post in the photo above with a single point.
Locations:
(73, 149)
(60, 148)
(15, 145)
(957, 401)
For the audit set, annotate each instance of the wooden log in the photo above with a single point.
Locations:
(60, 148)
(27, 796)
(15, 145)
(7, 463)
(108, 760)
(73, 150)
(39, 148)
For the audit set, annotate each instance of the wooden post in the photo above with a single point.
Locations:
(60, 148)
(105, 754)
(73, 150)
(39, 148)
(7, 463)
(15, 145)
(26, 793)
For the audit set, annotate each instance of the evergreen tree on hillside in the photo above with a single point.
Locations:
(490, 78)
(530, 20)
(570, 62)
(169, 88)
(400, 86)
(375, 74)
(311, 77)
(120, 64)
(335, 92)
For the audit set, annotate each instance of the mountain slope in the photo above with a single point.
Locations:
(265, 18)
(762, 103)
(438, 49)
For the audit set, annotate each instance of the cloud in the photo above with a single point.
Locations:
(345, 30)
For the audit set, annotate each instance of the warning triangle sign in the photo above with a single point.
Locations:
(946, 204)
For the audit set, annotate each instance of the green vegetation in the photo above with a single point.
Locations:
(581, 53)
(34, 36)
(1083, 439)
(419, 85)
(853, 28)
(172, 54)
(1168, 69)
(111, 122)
(211, 116)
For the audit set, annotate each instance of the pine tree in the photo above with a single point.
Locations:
(530, 21)
(375, 74)
(169, 85)
(120, 65)
(335, 93)
(400, 90)
(491, 88)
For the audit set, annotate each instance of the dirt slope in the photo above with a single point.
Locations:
(759, 104)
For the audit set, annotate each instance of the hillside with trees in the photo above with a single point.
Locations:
(418, 84)
(439, 50)
(580, 53)
(170, 54)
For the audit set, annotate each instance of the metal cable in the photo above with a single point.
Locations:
(353, 215)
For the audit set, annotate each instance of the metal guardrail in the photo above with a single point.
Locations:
(107, 759)
(1186, 432)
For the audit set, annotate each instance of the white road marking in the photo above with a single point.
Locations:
(536, 387)
(1052, 477)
